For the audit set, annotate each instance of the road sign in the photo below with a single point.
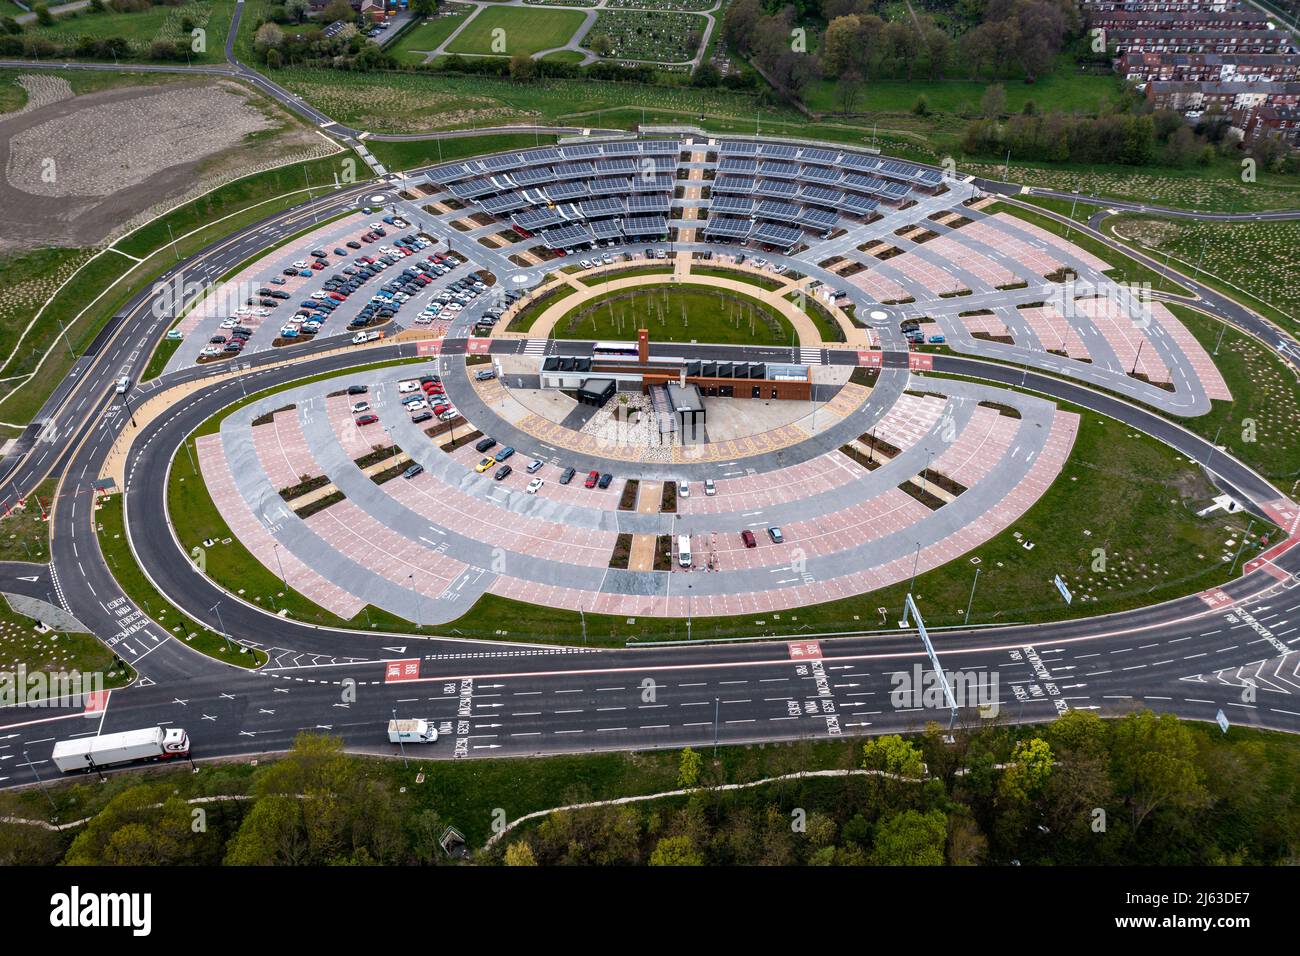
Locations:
(1065, 591)
(1222, 720)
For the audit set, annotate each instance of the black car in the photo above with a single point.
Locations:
(484, 444)
(354, 245)
(502, 473)
(358, 389)
(567, 476)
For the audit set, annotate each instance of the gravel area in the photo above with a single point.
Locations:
(101, 150)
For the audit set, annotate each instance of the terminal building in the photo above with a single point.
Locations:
(629, 367)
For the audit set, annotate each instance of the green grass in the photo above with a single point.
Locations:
(1261, 425)
(526, 317)
(12, 96)
(1063, 90)
(159, 359)
(411, 47)
(55, 652)
(417, 153)
(676, 313)
(521, 30)
(1123, 269)
(827, 327)
(565, 56)
(1254, 262)
(24, 533)
(142, 28)
(117, 554)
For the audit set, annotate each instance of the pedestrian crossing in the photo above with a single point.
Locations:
(811, 356)
(536, 347)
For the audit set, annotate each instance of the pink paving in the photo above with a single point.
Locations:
(1056, 244)
(1123, 335)
(986, 324)
(253, 535)
(1042, 472)
(751, 492)
(356, 440)
(486, 520)
(928, 274)
(388, 553)
(908, 420)
(981, 233)
(1055, 332)
(979, 265)
(979, 447)
(282, 450)
(879, 287)
(1209, 374)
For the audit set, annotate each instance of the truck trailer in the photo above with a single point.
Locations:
(129, 746)
(409, 731)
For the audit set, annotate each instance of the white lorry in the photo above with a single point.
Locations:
(412, 732)
(129, 746)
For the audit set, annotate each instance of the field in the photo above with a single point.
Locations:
(665, 37)
(409, 103)
(142, 28)
(419, 40)
(674, 313)
(1258, 258)
(1217, 188)
(55, 652)
(505, 31)
(24, 532)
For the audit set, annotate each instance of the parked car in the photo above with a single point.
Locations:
(605, 480)
(534, 486)
(592, 478)
(567, 476)
(775, 534)
(747, 537)
(485, 464)
(502, 473)
(710, 489)
(367, 419)
(484, 444)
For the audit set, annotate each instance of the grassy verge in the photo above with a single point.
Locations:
(1123, 268)
(54, 652)
(412, 155)
(1261, 425)
(117, 553)
(24, 532)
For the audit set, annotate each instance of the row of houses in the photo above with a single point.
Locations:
(1191, 56)
(1256, 109)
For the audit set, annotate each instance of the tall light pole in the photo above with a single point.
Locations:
(400, 742)
(411, 577)
(283, 579)
(972, 596)
(216, 609)
(716, 704)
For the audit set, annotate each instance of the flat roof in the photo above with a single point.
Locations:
(686, 399)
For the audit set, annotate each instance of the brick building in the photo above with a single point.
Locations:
(1212, 67)
(1236, 40)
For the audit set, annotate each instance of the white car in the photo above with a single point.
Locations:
(534, 486)
(408, 386)
(301, 264)
(608, 259)
(229, 323)
(683, 489)
(360, 407)
(417, 406)
(123, 384)
(209, 350)
(710, 489)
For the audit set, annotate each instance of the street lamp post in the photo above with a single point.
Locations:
(972, 596)
(411, 577)
(216, 609)
(400, 742)
(278, 564)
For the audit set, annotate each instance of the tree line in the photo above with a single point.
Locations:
(858, 45)
(1141, 788)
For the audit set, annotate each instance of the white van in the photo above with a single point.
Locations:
(684, 550)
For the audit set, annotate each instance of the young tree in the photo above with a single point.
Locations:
(675, 851)
(994, 101)
(688, 769)
(911, 838)
(520, 853)
(600, 44)
(841, 45)
(847, 90)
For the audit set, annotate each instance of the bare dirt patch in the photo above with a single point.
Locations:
(81, 168)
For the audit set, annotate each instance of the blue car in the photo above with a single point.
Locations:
(505, 453)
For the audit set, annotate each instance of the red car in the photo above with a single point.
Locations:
(748, 537)
(440, 409)
(592, 478)
(367, 419)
